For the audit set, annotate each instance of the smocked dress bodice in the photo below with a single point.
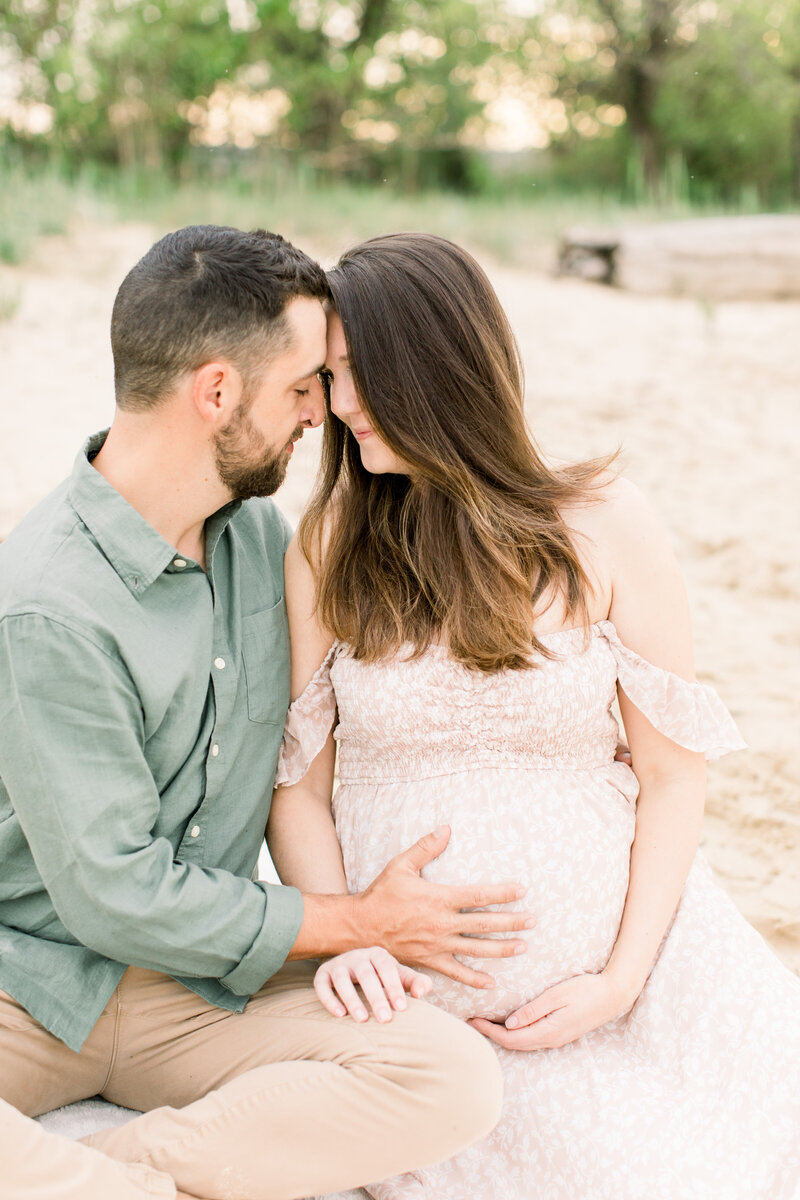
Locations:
(414, 718)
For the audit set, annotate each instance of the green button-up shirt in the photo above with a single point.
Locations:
(142, 701)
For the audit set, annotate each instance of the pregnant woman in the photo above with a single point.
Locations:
(463, 615)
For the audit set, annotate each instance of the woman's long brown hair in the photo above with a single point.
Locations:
(461, 548)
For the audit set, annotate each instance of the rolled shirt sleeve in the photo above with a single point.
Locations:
(115, 861)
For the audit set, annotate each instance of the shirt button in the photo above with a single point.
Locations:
(195, 831)
(219, 663)
(214, 750)
(180, 563)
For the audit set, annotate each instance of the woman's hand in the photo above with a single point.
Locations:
(383, 980)
(560, 1015)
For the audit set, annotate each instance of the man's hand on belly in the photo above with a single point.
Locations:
(427, 924)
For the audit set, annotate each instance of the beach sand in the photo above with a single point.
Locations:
(705, 403)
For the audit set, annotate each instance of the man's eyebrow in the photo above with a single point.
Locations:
(309, 374)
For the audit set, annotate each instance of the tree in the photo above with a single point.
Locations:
(729, 106)
(616, 54)
(115, 75)
(349, 84)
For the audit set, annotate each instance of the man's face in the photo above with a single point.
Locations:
(253, 450)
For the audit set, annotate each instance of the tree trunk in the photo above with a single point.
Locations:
(639, 92)
(373, 22)
(641, 77)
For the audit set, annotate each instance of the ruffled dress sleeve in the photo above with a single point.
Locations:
(690, 714)
(308, 723)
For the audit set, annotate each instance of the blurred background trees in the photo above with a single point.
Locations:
(640, 97)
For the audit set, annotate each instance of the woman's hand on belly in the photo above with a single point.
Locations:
(559, 1015)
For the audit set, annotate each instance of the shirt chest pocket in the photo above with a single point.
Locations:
(265, 652)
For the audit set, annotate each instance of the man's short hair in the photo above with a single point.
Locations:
(205, 292)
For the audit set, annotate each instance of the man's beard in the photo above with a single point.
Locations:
(245, 464)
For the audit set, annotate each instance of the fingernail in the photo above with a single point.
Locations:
(520, 892)
(400, 1003)
(361, 1014)
(512, 1023)
(520, 948)
(339, 1012)
(440, 830)
(530, 922)
(383, 1014)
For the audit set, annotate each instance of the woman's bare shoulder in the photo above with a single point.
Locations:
(614, 520)
(614, 506)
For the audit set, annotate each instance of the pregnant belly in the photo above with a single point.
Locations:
(564, 835)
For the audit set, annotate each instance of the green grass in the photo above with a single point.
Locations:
(10, 297)
(34, 202)
(513, 227)
(516, 226)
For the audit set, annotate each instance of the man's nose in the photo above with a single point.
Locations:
(313, 411)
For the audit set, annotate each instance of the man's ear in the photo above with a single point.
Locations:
(216, 391)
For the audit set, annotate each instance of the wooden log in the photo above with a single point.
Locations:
(589, 254)
(717, 258)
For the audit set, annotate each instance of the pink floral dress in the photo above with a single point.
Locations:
(694, 1094)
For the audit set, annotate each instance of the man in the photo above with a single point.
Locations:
(144, 659)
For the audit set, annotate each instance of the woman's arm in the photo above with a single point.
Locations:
(300, 832)
(650, 611)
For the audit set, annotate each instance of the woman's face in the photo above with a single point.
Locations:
(376, 457)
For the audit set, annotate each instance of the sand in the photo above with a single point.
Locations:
(704, 401)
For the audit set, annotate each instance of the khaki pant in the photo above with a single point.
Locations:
(42, 1166)
(278, 1102)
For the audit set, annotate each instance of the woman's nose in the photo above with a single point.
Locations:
(344, 401)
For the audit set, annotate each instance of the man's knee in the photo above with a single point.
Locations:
(460, 1080)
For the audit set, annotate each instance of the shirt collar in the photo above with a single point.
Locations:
(136, 551)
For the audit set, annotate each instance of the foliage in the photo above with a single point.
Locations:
(606, 58)
(711, 87)
(727, 109)
(138, 82)
(644, 98)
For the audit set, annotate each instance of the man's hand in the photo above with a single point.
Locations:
(560, 1015)
(427, 924)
